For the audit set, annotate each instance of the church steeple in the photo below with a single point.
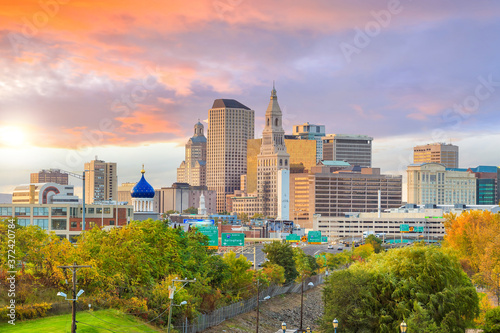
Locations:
(273, 135)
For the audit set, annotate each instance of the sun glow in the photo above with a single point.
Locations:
(12, 136)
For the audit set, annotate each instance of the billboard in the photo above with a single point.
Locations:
(314, 237)
(232, 239)
(213, 235)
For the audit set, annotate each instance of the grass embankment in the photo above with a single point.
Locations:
(88, 322)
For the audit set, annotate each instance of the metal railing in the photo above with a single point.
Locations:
(204, 321)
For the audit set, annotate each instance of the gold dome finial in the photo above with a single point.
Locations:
(143, 171)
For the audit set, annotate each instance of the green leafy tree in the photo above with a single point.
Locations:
(239, 283)
(375, 242)
(426, 286)
(492, 319)
(191, 210)
(282, 254)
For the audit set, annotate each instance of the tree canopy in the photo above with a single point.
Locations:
(425, 286)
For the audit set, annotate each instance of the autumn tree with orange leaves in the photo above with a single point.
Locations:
(475, 235)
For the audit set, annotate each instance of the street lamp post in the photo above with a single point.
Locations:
(335, 324)
(302, 301)
(308, 329)
(283, 327)
(403, 327)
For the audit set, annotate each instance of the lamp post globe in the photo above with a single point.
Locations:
(335, 324)
(308, 329)
(403, 327)
(283, 327)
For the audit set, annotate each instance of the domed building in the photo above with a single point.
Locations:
(143, 199)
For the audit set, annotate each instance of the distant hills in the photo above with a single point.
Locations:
(5, 198)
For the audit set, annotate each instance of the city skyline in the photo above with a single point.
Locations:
(393, 71)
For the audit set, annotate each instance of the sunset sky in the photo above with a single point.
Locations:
(126, 80)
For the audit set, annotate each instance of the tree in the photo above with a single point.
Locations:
(492, 319)
(257, 216)
(243, 217)
(282, 254)
(191, 210)
(375, 242)
(426, 286)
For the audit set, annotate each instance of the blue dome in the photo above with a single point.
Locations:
(142, 189)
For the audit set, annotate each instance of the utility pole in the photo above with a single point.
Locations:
(74, 268)
(171, 294)
(258, 302)
(301, 301)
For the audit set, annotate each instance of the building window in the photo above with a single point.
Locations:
(6, 211)
(42, 223)
(23, 222)
(59, 211)
(40, 211)
(74, 224)
(22, 211)
(59, 224)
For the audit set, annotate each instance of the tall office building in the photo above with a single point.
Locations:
(335, 193)
(443, 153)
(431, 183)
(353, 149)
(193, 168)
(101, 181)
(311, 132)
(273, 157)
(487, 180)
(49, 176)
(230, 125)
(302, 156)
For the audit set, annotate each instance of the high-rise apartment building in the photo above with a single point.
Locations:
(101, 181)
(311, 132)
(353, 149)
(443, 153)
(193, 168)
(431, 183)
(272, 158)
(230, 125)
(49, 176)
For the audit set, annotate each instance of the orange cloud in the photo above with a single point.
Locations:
(147, 121)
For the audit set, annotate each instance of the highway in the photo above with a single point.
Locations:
(308, 249)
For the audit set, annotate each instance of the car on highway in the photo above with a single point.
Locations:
(330, 247)
(340, 248)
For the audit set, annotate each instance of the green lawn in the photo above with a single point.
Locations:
(93, 322)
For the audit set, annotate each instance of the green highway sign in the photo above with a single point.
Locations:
(324, 239)
(213, 235)
(410, 228)
(232, 239)
(314, 237)
(293, 238)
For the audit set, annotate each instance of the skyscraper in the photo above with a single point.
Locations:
(443, 153)
(311, 132)
(272, 158)
(353, 149)
(230, 125)
(193, 169)
(101, 181)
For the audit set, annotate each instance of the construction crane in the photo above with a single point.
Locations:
(82, 177)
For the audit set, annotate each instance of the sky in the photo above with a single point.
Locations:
(126, 81)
